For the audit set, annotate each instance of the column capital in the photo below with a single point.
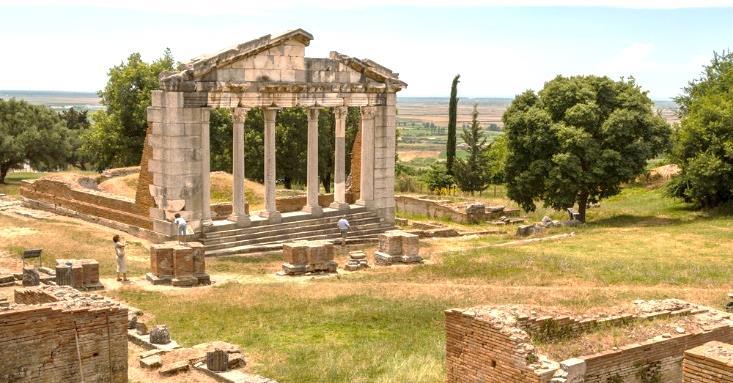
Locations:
(240, 114)
(313, 112)
(340, 112)
(368, 112)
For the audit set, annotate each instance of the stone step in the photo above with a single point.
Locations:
(216, 232)
(306, 226)
(354, 238)
(289, 219)
(285, 237)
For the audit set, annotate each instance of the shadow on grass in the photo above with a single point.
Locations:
(624, 220)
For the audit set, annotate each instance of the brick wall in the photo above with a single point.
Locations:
(355, 174)
(42, 343)
(709, 363)
(492, 344)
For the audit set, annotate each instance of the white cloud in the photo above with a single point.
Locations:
(632, 60)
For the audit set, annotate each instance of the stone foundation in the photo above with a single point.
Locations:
(72, 337)
(179, 265)
(709, 363)
(303, 257)
(397, 246)
(492, 344)
(81, 274)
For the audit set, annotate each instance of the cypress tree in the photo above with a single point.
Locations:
(452, 116)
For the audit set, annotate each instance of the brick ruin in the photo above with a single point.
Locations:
(709, 363)
(57, 334)
(493, 344)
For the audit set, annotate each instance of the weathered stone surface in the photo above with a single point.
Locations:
(160, 335)
(397, 246)
(174, 368)
(179, 265)
(302, 257)
(153, 361)
(476, 213)
(31, 277)
(217, 360)
(357, 260)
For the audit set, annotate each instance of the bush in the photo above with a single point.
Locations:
(438, 180)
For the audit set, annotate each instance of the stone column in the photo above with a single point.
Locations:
(238, 198)
(366, 184)
(311, 204)
(339, 166)
(205, 176)
(270, 211)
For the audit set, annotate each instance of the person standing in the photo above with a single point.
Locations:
(182, 226)
(344, 228)
(121, 261)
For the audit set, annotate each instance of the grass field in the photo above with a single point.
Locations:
(386, 324)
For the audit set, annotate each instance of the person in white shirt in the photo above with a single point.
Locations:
(121, 262)
(182, 226)
(344, 227)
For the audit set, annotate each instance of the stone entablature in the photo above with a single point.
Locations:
(269, 73)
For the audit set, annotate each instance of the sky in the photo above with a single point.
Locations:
(499, 47)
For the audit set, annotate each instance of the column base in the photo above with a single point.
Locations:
(272, 216)
(367, 204)
(315, 211)
(241, 220)
(343, 206)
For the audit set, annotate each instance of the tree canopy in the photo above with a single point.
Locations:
(31, 133)
(472, 174)
(452, 120)
(578, 140)
(117, 135)
(703, 144)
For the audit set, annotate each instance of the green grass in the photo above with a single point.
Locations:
(349, 338)
(12, 182)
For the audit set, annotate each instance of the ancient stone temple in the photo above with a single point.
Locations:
(270, 73)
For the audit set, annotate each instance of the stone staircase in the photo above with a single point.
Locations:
(227, 239)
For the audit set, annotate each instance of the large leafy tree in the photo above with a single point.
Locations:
(77, 121)
(578, 140)
(703, 144)
(452, 121)
(472, 174)
(31, 133)
(118, 132)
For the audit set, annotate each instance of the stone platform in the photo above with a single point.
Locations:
(178, 264)
(303, 257)
(397, 246)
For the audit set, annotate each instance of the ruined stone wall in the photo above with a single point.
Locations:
(63, 342)
(477, 351)
(429, 208)
(492, 345)
(63, 197)
(709, 363)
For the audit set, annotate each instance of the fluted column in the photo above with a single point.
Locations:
(311, 204)
(238, 198)
(270, 211)
(339, 166)
(366, 184)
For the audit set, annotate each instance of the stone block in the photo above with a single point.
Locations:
(31, 277)
(390, 243)
(199, 258)
(174, 368)
(290, 269)
(295, 253)
(383, 259)
(161, 260)
(184, 281)
(153, 361)
(160, 335)
(410, 245)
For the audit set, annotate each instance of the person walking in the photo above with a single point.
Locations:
(344, 227)
(182, 226)
(121, 261)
